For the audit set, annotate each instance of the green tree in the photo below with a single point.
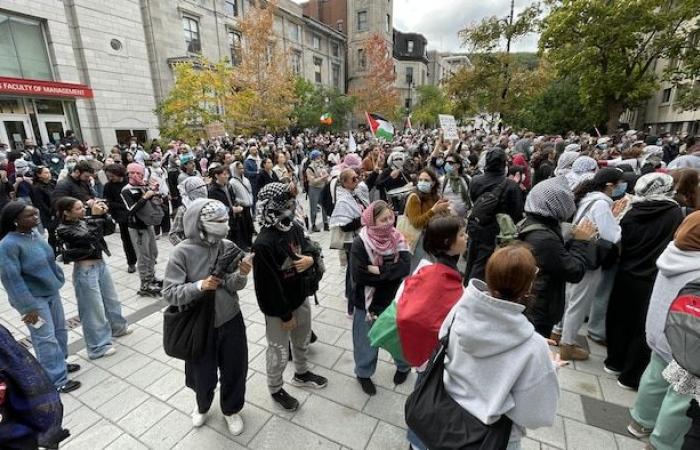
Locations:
(557, 110)
(313, 101)
(431, 102)
(611, 47)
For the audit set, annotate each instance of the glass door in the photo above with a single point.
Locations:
(52, 129)
(14, 129)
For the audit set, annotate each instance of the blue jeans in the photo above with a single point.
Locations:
(98, 306)
(366, 355)
(50, 341)
(599, 308)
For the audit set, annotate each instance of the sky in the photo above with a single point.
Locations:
(440, 20)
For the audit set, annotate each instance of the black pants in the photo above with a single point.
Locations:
(692, 438)
(227, 352)
(164, 226)
(127, 244)
(242, 229)
(478, 253)
(624, 327)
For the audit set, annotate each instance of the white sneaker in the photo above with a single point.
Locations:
(110, 351)
(198, 418)
(235, 424)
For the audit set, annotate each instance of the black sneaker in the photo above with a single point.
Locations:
(285, 400)
(367, 385)
(309, 379)
(70, 386)
(326, 227)
(70, 367)
(400, 377)
(131, 268)
(314, 338)
(315, 229)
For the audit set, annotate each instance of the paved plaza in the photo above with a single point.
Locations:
(137, 398)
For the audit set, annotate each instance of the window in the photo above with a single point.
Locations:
(316, 41)
(361, 59)
(409, 46)
(362, 21)
(295, 32)
(335, 49)
(191, 27)
(231, 7)
(409, 75)
(388, 23)
(234, 43)
(318, 62)
(296, 62)
(666, 96)
(23, 49)
(335, 74)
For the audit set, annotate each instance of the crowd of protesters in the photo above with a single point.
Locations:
(534, 235)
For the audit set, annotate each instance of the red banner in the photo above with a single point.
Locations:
(40, 88)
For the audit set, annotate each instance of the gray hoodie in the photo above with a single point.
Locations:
(192, 261)
(496, 364)
(676, 269)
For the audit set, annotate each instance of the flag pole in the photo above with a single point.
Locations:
(370, 124)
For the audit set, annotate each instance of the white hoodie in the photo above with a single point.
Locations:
(676, 268)
(600, 213)
(496, 364)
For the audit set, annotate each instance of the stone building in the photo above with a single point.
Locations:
(411, 55)
(441, 65)
(100, 67)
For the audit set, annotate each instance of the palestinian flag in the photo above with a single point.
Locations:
(381, 128)
(408, 328)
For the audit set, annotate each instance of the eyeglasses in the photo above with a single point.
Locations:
(355, 179)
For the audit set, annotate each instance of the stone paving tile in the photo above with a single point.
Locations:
(139, 420)
(168, 431)
(553, 435)
(167, 385)
(580, 383)
(570, 406)
(585, 437)
(98, 435)
(122, 403)
(281, 434)
(147, 375)
(614, 394)
(387, 436)
(126, 442)
(323, 355)
(254, 419)
(206, 437)
(183, 399)
(79, 420)
(327, 423)
(258, 394)
(628, 442)
(342, 389)
(388, 406)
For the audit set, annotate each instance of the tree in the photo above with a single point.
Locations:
(557, 110)
(431, 102)
(495, 67)
(313, 101)
(375, 91)
(201, 89)
(611, 47)
(263, 83)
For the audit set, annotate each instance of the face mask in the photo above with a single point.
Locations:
(449, 168)
(619, 190)
(439, 162)
(424, 186)
(214, 231)
(155, 164)
(70, 166)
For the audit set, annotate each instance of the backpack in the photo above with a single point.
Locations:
(683, 327)
(327, 200)
(508, 231)
(523, 229)
(485, 207)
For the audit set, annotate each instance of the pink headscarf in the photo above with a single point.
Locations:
(380, 240)
(351, 161)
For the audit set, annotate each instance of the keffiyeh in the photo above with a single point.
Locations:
(654, 187)
(275, 207)
(682, 381)
(551, 198)
(583, 168)
(566, 160)
(348, 207)
(191, 189)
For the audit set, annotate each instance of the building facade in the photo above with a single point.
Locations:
(411, 55)
(76, 64)
(442, 65)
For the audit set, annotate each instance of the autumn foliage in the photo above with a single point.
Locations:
(376, 91)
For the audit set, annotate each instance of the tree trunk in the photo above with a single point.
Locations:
(614, 112)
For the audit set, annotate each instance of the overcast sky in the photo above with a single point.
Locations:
(440, 20)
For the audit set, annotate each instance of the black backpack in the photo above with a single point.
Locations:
(327, 200)
(486, 206)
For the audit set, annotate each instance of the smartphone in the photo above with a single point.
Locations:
(38, 324)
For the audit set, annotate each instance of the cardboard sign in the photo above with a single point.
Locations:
(449, 127)
(215, 130)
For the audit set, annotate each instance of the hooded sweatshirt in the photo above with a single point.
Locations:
(600, 213)
(192, 260)
(676, 268)
(496, 364)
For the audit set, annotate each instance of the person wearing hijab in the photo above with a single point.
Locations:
(584, 168)
(189, 278)
(243, 235)
(32, 280)
(659, 411)
(282, 254)
(191, 189)
(565, 162)
(519, 159)
(379, 260)
(646, 231)
(317, 176)
(550, 203)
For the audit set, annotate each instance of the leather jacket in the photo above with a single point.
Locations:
(84, 239)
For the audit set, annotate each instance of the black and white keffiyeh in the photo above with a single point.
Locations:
(275, 207)
(654, 186)
(551, 198)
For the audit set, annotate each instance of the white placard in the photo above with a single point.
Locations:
(449, 127)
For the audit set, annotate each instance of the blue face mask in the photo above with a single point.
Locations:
(424, 186)
(619, 189)
(449, 168)
(439, 162)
